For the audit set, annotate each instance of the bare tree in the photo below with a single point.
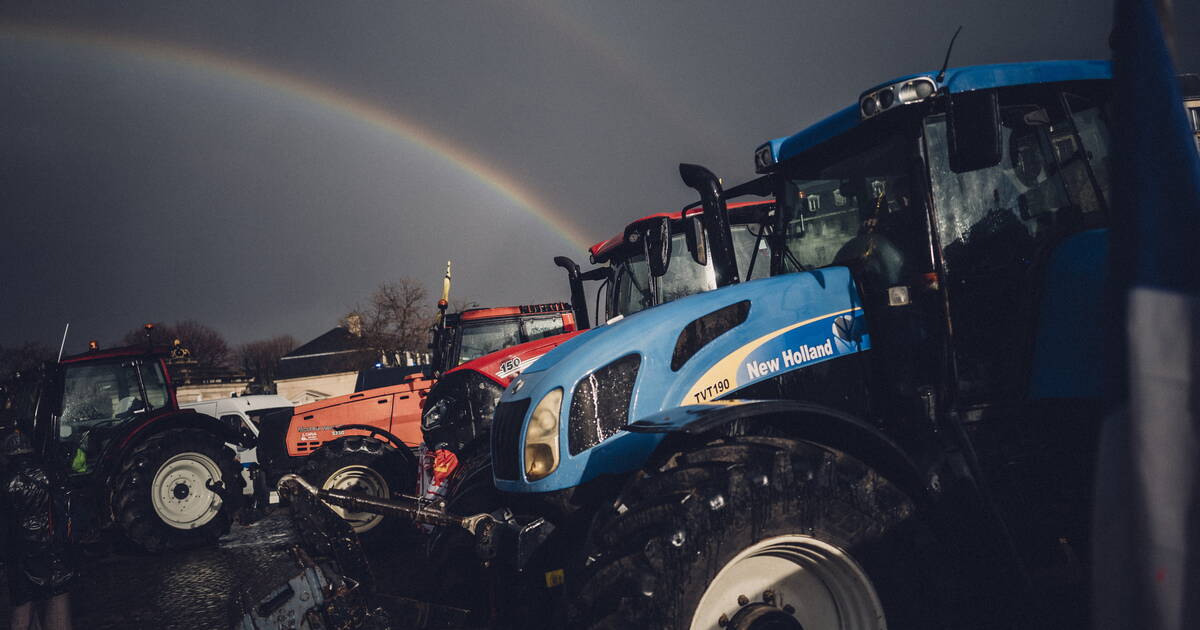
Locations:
(25, 357)
(260, 359)
(396, 318)
(206, 345)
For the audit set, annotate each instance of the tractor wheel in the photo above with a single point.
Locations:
(754, 532)
(362, 465)
(166, 497)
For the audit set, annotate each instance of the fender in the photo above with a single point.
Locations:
(959, 511)
(388, 439)
(816, 423)
(110, 462)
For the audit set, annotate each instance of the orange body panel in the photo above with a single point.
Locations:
(396, 409)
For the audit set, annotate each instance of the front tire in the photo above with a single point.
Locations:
(754, 532)
(362, 465)
(166, 497)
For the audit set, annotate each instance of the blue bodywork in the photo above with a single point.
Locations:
(795, 320)
(956, 80)
(1069, 350)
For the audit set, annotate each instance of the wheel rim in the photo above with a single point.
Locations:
(180, 491)
(358, 480)
(816, 585)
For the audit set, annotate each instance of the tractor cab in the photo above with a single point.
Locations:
(965, 207)
(482, 331)
(100, 395)
(666, 256)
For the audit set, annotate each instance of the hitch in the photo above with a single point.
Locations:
(498, 535)
(414, 508)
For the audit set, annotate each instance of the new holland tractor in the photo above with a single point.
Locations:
(889, 420)
(458, 409)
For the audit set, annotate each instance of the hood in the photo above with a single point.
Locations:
(780, 324)
(504, 365)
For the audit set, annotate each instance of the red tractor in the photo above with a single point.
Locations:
(132, 459)
(367, 442)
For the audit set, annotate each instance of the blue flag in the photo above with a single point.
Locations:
(1147, 516)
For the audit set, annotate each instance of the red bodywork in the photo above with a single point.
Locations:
(397, 408)
(504, 365)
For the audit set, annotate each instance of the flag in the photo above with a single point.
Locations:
(1147, 513)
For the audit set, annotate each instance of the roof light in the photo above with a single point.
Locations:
(764, 158)
(900, 93)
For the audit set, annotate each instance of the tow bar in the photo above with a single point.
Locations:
(498, 535)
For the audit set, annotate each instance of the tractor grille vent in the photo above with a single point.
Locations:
(506, 438)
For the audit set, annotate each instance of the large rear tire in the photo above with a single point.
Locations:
(163, 499)
(363, 465)
(755, 532)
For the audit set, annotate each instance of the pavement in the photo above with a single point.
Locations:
(190, 590)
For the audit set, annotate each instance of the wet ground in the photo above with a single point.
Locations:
(192, 589)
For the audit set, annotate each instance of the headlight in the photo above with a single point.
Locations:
(541, 437)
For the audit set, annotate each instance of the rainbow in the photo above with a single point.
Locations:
(207, 61)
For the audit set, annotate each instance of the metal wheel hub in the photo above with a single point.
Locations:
(790, 582)
(358, 479)
(179, 491)
(763, 617)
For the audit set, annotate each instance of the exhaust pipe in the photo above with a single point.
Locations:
(578, 299)
(716, 221)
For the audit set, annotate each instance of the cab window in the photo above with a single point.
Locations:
(996, 224)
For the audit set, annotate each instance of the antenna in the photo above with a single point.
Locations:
(946, 62)
(64, 341)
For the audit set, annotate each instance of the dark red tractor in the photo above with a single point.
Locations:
(132, 460)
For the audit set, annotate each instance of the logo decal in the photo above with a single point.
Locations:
(515, 365)
(789, 348)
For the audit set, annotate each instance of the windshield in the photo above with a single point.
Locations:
(636, 291)
(831, 202)
(97, 396)
(996, 223)
(492, 335)
(487, 338)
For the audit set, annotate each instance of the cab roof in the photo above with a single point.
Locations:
(956, 80)
(475, 314)
(140, 350)
(603, 248)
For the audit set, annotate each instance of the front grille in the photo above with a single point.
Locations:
(506, 438)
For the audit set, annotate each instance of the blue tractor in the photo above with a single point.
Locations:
(888, 418)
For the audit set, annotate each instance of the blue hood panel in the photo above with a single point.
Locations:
(794, 320)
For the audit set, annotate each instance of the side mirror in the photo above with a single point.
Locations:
(657, 242)
(697, 244)
(973, 124)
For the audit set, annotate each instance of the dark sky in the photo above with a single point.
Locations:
(261, 167)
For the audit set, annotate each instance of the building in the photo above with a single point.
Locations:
(324, 367)
(195, 383)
